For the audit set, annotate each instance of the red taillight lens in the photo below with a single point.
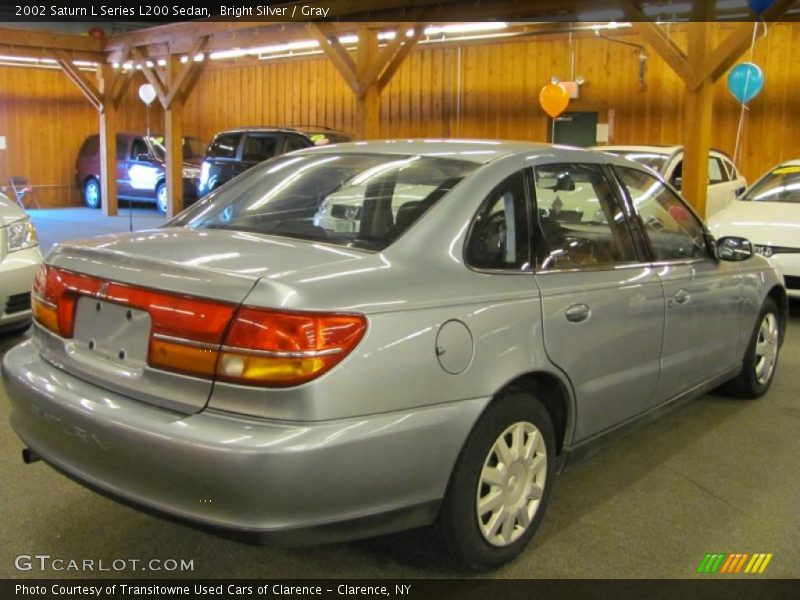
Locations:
(263, 347)
(281, 349)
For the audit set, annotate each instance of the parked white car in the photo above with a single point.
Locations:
(725, 183)
(768, 214)
(19, 259)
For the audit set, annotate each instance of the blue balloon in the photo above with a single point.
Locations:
(759, 6)
(745, 82)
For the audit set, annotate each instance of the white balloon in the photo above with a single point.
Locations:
(147, 93)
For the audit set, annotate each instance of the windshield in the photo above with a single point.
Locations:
(192, 148)
(648, 159)
(781, 185)
(357, 200)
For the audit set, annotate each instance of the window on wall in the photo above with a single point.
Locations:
(674, 231)
(580, 219)
(499, 237)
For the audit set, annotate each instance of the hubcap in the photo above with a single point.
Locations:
(92, 194)
(511, 484)
(162, 198)
(766, 348)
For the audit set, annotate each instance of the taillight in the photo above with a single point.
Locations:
(281, 348)
(262, 347)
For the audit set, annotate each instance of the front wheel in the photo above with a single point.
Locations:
(761, 358)
(162, 200)
(91, 193)
(500, 486)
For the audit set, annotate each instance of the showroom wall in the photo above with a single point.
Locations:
(476, 90)
(45, 118)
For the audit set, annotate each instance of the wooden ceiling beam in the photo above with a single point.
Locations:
(151, 75)
(27, 38)
(400, 56)
(88, 89)
(177, 86)
(337, 54)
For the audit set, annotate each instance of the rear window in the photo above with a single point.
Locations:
(356, 200)
(224, 146)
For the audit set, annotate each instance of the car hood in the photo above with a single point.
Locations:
(763, 223)
(212, 263)
(9, 211)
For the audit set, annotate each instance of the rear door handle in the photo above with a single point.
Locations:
(578, 312)
(681, 296)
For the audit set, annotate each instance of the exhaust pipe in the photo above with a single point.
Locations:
(29, 456)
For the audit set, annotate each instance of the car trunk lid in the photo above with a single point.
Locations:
(114, 316)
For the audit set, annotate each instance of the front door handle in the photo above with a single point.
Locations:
(578, 312)
(681, 296)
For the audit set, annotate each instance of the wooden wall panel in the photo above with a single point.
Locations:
(45, 119)
(442, 90)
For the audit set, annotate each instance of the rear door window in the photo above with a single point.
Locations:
(716, 171)
(224, 146)
(295, 142)
(258, 147)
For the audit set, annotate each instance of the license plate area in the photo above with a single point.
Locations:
(112, 332)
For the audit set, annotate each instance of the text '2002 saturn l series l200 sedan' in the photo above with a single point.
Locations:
(357, 339)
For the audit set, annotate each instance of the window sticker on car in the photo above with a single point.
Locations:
(787, 170)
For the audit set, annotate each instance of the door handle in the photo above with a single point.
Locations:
(681, 296)
(578, 312)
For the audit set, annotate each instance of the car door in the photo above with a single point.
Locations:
(703, 296)
(722, 189)
(122, 149)
(602, 302)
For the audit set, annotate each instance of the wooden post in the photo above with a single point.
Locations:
(368, 102)
(173, 139)
(108, 144)
(697, 120)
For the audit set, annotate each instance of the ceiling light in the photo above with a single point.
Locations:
(464, 28)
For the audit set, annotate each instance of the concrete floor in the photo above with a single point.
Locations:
(713, 475)
(64, 224)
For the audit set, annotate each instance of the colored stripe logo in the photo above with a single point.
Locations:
(730, 564)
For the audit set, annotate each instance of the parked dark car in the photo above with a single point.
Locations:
(234, 151)
(140, 169)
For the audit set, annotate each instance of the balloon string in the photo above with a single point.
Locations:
(739, 131)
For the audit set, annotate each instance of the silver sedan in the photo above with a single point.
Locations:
(352, 340)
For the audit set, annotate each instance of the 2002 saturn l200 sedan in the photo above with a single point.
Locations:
(357, 339)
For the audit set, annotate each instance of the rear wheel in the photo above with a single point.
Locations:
(501, 483)
(91, 193)
(761, 358)
(162, 199)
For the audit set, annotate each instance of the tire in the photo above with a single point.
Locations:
(483, 542)
(162, 200)
(761, 358)
(92, 196)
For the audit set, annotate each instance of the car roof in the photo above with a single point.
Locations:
(665, 150)
(478, 151)
(795, 162)
(261, 128)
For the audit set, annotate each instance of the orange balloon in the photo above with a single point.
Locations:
(554, 99)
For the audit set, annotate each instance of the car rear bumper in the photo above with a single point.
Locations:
(16, 273)
(298, 482)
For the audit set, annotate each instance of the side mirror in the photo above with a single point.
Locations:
(734, 249)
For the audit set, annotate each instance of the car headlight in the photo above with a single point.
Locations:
(191, 173)
(21, 235)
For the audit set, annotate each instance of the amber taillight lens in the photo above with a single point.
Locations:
(265, 347)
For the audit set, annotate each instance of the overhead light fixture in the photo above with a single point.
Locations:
(350, 39)
(465, 28)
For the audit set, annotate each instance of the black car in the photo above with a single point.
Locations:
(141, 173)
(234, 151)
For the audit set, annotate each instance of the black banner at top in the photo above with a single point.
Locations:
(166, 11)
